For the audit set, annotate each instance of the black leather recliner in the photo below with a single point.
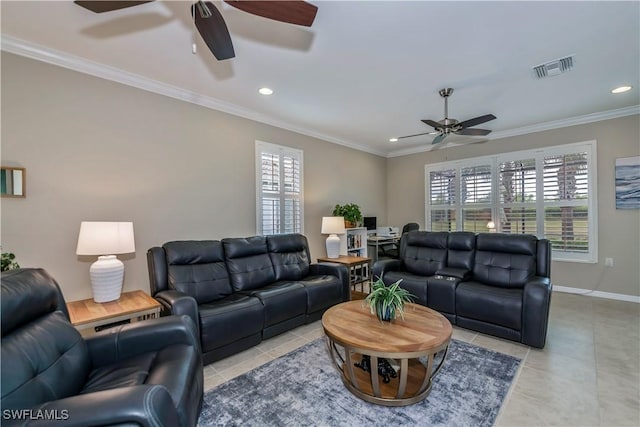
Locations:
(147, 373)
(494, 283)
(239, 291)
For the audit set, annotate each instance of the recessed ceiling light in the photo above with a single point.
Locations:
(621, 89)
(265, 91)
(393, 140)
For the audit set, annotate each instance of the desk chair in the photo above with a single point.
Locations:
(391, 250)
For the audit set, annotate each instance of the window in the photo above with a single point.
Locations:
(279, 207)
(549, 193)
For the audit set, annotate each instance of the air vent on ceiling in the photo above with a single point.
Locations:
(553, 68)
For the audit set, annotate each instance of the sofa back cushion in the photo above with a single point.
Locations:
(506, 260)
(289, 255)
(248, 262)
(424, 252)
(44, 357)
(197, 268)
(461, 250)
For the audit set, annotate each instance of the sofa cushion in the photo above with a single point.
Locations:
(282, 301)
(505, 260)
(415, 284)
(248, 262)
(461, 250)
(491, 304)
(44, 360)
(123, 373)
(197, 269)
(289, 255)
(425, 252)
(230, 319)
(322, 292)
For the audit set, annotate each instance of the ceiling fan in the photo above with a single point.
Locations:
(211, 25)
(447, 126)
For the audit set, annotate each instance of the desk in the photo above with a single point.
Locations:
(87, 313)
(359, 273)
(376, 241)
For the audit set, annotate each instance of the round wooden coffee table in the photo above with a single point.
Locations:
(417, 346)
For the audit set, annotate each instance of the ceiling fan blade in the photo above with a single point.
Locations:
(476, 121)
(213, 30)
(473, 132)
(417, 134)
(439, 138)
(293, 11)
(108, 6)
(433, 124)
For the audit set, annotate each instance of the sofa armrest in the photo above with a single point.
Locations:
(458, 273)
(384, 265)
(536, 299)
(136, 338)
(142, 405)
(179, 303)
(333, 269)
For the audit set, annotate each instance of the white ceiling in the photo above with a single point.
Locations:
(366, 70)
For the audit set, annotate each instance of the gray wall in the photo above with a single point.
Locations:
(618, 230)
(98, 150)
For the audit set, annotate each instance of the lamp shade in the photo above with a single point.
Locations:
(105, 238)
(333, 225)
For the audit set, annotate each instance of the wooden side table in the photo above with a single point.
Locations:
(359, 273)
(88, 314)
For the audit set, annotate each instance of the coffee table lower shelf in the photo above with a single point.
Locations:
(412, 383)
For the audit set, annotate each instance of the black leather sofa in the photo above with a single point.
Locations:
(239, 291)
(493, 283)
(147, 373)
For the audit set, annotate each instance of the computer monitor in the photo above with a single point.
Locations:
(370, 222)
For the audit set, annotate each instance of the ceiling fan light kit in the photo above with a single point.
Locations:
(447, 126)
(211, 25)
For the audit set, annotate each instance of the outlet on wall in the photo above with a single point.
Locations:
(608, 262)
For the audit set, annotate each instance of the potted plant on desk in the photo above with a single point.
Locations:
(387, 302)
(350, 212)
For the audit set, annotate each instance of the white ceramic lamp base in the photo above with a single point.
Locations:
(106, 275)
(333, 246)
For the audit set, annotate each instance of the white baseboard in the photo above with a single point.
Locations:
(597, 294)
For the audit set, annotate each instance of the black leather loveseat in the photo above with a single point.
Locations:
(494, 283)
(239, 291)
(147, 373)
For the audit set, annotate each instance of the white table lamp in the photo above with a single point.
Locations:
(333, 225)
(106, 239)
(491, 226)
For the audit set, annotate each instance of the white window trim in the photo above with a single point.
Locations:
(260, 147)
(539, 153)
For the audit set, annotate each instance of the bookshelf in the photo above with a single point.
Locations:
(354, 242)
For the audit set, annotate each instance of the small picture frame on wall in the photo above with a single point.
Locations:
(628, 183)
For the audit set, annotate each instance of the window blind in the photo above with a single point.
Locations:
(279, 195)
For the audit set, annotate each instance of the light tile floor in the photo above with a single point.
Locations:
(588, 374)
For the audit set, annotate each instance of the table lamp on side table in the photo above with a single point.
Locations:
(106, 239)
(333, 225)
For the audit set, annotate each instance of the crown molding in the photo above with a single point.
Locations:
(96, 69)
(555, 124)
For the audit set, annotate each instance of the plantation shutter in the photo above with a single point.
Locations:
(442, 200)
(517, 188)
(279, 195)
(566, 202)
(476, 197)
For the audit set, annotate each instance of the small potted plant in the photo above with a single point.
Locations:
(350, 212)
(387, 302)
(8, 261)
